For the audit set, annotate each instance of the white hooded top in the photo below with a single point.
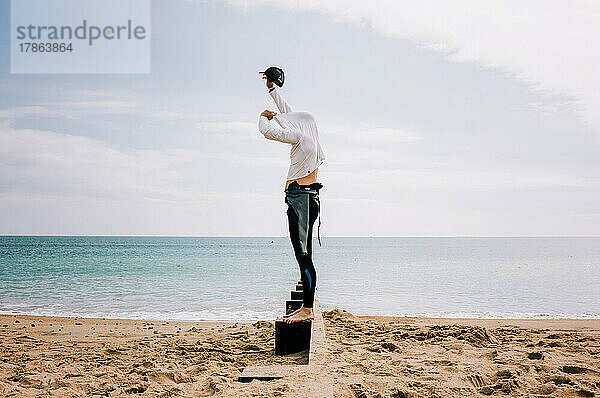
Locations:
(298, 129)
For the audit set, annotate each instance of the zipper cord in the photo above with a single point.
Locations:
(319, 229)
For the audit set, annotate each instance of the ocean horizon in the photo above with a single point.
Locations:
(249, 278)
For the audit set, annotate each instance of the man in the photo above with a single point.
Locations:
(299, 130)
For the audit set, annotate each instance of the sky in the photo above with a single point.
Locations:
(437, 119)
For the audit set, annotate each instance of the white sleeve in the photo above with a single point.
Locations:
(274, 133)
(283, 106)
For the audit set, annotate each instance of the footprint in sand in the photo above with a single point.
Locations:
(573, 369)
(166, 377)
(476, 380)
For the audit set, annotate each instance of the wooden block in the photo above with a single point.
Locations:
(313, 380)
(263, 373)
(292, 337)
(299, 287)
(296, 295)
(292, 305)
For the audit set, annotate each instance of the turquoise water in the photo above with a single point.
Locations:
(249, 278)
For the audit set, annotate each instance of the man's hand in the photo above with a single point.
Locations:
(268, 114)
(269, 84)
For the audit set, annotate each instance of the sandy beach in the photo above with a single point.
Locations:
(369, 357)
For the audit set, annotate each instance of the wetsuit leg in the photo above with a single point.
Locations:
(308, 275)
(310, 268)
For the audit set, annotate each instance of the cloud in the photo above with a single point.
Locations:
(72, 109)
(70, 163)
(551, 46)
(339, 135)
(45, 161)
(438, 180)
(354, 136)
(231, 130)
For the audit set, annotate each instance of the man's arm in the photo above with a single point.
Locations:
(283, 106)
(275, 133)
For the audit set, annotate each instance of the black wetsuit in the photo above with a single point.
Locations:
(303, 209)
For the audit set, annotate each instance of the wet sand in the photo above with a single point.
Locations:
(369, 357)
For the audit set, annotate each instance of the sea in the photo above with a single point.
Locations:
(246, 279)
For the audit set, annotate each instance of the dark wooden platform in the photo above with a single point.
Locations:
(306, 381)
(291, 338)
(263, 373)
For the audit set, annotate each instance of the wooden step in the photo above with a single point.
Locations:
(304, 381)
(291, 338)
(292, 305)
(263, 373)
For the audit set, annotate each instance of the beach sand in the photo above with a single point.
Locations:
(429, 357)
(369, 357)
(80, 357)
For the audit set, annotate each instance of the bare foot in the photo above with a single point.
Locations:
(293, 312)
(303, 314)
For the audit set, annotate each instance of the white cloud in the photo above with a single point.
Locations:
(231, 130)
(436, 180)
(26, 111)
(350, 136)
(85, 166)
(53, 179)
(550, 45)
(72, 109)
(383, 136)
(112, 107)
